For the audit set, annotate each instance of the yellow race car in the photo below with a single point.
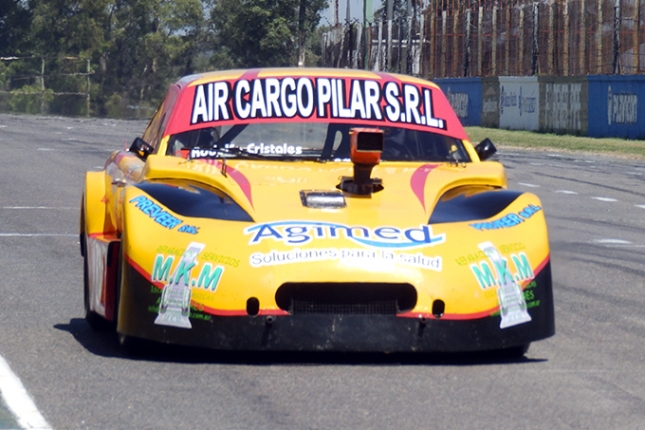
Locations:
(310, 210)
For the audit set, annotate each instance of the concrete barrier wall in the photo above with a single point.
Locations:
(465, 97)
(613, 106)
(490, 102)
(519, 102)
(563, 106)
(596, 106)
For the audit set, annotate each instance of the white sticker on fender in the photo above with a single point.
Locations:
(512, 305)
(174, 308)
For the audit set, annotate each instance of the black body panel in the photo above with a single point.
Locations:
(325, 332)
(480, 206)
(195, 202)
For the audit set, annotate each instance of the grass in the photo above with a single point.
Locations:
(541, 141)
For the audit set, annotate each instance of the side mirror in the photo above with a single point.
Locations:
(485, 149)
(141, 148)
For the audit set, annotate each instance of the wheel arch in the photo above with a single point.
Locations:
(94, 211)
(100, 246)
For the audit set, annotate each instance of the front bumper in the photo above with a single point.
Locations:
(323, 332)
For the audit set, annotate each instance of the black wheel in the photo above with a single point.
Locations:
(95, 321)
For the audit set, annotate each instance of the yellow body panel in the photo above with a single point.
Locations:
(449, 274)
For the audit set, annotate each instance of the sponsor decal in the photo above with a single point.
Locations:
(154, 211)
(622, 108)
(527, 104)
(490, 105)
(190, 229)
(306, 97)
(479, 255)
(512, 302)
(296, 233)
(197, 153)
(252, 148)
(196, 311)
(563, 107)
(459, 103)
(297, 255)
(174, 306)
(204, 256)
(507, 221)
(271, 149)
(507, 99)
(524, 104)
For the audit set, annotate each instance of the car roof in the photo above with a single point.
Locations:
(200, 78)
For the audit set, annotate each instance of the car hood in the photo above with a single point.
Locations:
(270, 190)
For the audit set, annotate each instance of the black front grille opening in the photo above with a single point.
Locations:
(252, 306)
(438, 308)
(346, 298)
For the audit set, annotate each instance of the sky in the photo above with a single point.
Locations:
(356, 10)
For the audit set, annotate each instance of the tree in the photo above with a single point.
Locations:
(154, 41)
(135, 48)
(260, 33)
(399, 11)
(15, 18)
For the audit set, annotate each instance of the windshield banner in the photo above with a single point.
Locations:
(375, 102)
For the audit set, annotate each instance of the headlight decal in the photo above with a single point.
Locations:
(476, 207)
(154, 211)
(192, 201)
(510, 220)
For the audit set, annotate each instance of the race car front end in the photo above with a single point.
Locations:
(283, 276)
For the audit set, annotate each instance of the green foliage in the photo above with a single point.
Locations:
(14, 25)
(30, 99)
(399, 11)
(114, 106)
(4, 76)
(261, 33)
(136, 48)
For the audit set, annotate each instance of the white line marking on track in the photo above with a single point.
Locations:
(528, 185)
(612, 241)
(17, 399)
(36, 207)
(640, 206)
(37, 235)
(605, 199)
(621, 245)
(75, 150)
(565, 192)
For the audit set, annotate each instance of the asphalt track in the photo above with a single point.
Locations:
(591, 375)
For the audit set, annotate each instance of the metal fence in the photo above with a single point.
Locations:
(35, 84)
(456, 38)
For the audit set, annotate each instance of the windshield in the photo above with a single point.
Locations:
(315, 141)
